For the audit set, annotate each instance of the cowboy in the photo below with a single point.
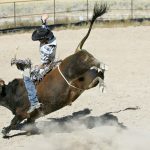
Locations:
(47, 54)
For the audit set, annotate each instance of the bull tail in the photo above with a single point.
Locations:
(99, 10)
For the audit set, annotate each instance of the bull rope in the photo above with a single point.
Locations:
(67, 80)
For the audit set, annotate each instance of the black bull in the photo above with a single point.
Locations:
(59, 88)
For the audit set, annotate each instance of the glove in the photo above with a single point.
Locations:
(44, 18)
(20, 66)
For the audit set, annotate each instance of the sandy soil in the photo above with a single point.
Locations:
(126, 52)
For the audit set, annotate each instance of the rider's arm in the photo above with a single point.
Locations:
(44, 18)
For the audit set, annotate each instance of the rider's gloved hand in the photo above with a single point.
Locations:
(44, 18)
(20, 66)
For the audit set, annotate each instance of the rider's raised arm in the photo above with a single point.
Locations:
(44, 18)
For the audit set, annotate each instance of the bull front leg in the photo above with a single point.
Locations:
(14, 122)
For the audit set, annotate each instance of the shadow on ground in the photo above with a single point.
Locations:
(77, 121)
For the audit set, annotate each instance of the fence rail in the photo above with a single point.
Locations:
(23, 13)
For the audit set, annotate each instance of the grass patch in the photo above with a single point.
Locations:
(122, 23)
(107, 24)
(98, 24)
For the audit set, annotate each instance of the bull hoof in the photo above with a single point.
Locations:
(5, 131)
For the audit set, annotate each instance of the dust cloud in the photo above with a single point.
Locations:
(78, 132)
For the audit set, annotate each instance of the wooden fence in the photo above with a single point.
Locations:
(23, 13)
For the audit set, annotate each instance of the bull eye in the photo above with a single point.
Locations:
(81, 79)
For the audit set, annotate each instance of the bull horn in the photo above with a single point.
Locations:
(99, 10)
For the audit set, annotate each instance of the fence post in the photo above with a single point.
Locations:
(15, 14)
(54, 10)
(87, 10)
(132, 9)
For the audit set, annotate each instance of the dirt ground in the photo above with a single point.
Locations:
(127, 53)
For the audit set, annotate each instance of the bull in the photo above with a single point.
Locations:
(60, 87)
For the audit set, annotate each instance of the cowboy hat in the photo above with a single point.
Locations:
(42, 33)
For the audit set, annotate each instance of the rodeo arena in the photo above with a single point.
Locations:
(74, 74)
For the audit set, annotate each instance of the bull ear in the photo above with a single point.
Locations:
(99, 10)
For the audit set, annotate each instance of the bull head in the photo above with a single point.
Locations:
(83, 70)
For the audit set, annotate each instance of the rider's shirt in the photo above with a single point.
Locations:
(48, 51)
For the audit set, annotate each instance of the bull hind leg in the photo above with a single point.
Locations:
(14, 122)
(29, 125)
